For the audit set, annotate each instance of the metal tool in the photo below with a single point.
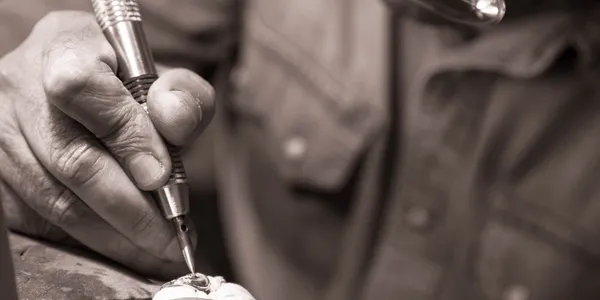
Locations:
(473, 12)
(121, 22)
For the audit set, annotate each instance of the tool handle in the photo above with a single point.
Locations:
(138, 87)
(110, 12)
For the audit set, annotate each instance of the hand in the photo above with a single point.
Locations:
(77, 152)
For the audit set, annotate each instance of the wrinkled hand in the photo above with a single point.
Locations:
(77, 151)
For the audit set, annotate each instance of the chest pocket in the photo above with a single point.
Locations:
(542, 237)
(319, 104)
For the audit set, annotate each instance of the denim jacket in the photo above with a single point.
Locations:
(489, 156)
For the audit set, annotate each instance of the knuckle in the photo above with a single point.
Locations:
(62, 82)
(63, 208)
(72, 53)
(22, 218)
(128, 133)
(143, 222)
(78, 162)
(120, 116)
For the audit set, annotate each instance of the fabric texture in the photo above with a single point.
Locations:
(472, 108)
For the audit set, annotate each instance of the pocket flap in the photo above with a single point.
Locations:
(317, 126)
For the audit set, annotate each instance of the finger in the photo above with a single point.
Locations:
(181, 104)
(57, 204)
(21, 218)
(77, 160)
(18, 215)
(79, 78)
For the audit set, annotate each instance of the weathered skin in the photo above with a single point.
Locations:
(45, 271)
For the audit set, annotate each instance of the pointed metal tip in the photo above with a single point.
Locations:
(188, 256)
(183, 235)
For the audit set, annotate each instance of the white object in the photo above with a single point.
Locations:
(180, 292)
(200, 287)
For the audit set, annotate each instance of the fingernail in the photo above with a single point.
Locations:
(173, 251)
(145, 169)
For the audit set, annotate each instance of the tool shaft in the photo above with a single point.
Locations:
(121, 23)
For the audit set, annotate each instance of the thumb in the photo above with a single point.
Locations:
(181, 105)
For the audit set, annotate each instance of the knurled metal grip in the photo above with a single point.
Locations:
(139, 87)
(111, 12)
(121, 22)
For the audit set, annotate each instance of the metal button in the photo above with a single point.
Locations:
(418, 217)
(295, 148)
(516, 292)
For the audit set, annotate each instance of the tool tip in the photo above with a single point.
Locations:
(188, 256)
(185, 243)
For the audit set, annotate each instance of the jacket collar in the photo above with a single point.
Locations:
(521, 48)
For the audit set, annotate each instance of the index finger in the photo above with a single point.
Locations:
(76, 160)
(72, 154)
(80, 80)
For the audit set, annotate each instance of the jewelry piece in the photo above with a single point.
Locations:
(198, 286)
(195, 286)
(198, 281)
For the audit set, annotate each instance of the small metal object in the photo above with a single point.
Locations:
(472, 12)
(194, 286)
(201, 287)
(121, 22)
(198, 281)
